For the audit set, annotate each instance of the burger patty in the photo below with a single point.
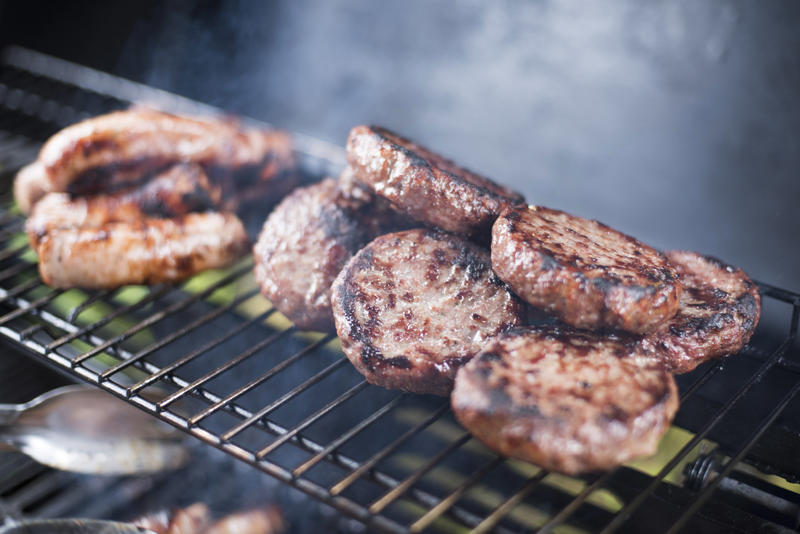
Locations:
(148, 251)
(719, 310)
(303, 245)
(424, 185)
(568, 401)
(587, 274)
(181, 189)
(413, 306)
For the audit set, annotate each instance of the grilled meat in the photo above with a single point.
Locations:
(257, 521)
(413, 306)
(196, 519)
(148, 251)
(424, 185)
(566, 400)
(186, 165)
(109, 151)
(181, 189)
(30, 185)
(191, 520)
(354, 190)
(582, 271)
(304, 244)
(719, 310)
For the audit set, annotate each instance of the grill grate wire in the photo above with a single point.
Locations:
(395, 461)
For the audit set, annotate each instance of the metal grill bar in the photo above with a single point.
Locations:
(579, 499)
(344, 438)
(20, 289)
(68, 499)
(386, 451)
(14, 270)
(266, 410)
(754, 437)
(10, 230)
(434, 513)
(487, 524)
(233, 362)
(768, 290)
(165, 371)
(22, 470)
(154, 295)
(210, 316)
(257, 381)
(161, 315)
(311, 419)
(12, 252)
(30, 307)
(37, 320)
(39, 488)
(626, 512)
(100, 296)
(404, 486)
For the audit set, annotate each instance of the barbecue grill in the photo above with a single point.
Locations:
(213, 358)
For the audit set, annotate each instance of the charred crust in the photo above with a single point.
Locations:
(431, 188)
(748, 308)
(711, 321)
(501, 403)
(474, 266)
(582, 271)
(547, 263)
(371, 309)
(100, 179)
(489, 357)
(338, 225)
(719, 264)
(521, 410)
(371, 356)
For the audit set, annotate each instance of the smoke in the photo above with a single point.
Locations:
(625, 112)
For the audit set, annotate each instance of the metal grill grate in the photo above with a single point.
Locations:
(212, 357)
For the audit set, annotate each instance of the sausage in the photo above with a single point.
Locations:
(148, 251)
(181, 189)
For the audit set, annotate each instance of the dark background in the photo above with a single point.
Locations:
(675, 121)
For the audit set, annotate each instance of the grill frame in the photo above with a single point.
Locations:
(99, 92)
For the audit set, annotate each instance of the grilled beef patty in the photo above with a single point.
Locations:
(569, 401)
(304, 244)
(424, 185)
(719, 310)
(582, 271)
(413, 306)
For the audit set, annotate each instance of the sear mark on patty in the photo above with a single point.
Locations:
(303, 245)
(567, 400)
(417, 342)
(424, 185)
(582, 271)
(719, 310)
